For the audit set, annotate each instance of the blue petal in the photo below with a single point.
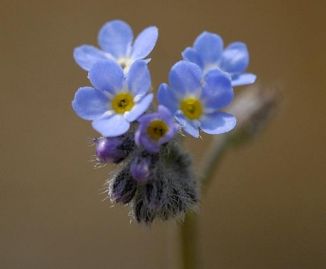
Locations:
(218, 123)
(89, 103)
(189, 54)
(139, 108)
(243, 79)
(185, 78)
(164, 113)
(115, 37)
(144, 43)
(111, 125)
(166, 98)
(187, 125)
(209, 46)
(86, 56)
(217, 92)
(138, 78)
(235, 58)
(106, 76)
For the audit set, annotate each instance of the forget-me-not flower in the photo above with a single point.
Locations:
(115, 39)
(155, 129)
(207, 52)
(195, 100)
(116, 99)
(155, 176)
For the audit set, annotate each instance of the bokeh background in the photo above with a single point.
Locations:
(266, 207)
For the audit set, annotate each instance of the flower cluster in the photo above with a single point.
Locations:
(155, 177)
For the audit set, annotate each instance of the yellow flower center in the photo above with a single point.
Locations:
(191, 107)
(157, 129)
(122, 102)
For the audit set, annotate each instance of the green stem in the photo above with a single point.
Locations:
(189, 241)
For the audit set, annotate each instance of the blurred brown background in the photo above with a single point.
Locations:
(267, 205)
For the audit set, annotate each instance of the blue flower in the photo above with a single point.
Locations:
(155, 129)
(207, 52)
(195, 100)
(116, 42)
(116, 99)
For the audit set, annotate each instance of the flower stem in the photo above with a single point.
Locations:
(189, 244)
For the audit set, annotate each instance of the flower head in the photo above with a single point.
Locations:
(195, 100)
(155, 177)
(207, 52)
(116, 42)
(116, 99)
(155, 129)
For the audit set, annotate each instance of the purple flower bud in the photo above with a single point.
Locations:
(140, 169)
(108, 149)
